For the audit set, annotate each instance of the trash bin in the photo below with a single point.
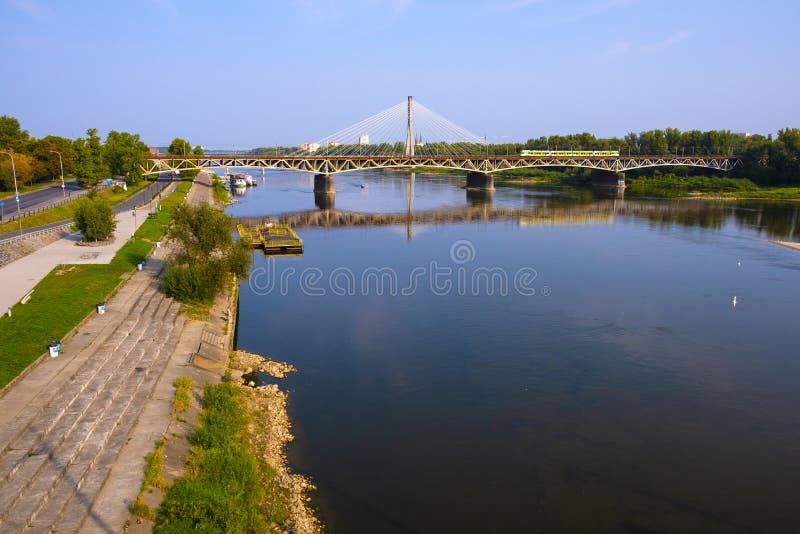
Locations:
(101, 308)
(55, 349)
(139, 266)
(158, 244)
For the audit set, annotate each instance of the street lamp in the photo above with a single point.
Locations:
(61, 165)
(16, 191)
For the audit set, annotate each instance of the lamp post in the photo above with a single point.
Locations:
(16, 191)
(61, 166)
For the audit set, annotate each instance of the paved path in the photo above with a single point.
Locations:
(28, 271)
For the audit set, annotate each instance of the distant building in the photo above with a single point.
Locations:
(743, 135)
(310, 147)
(153, 151)
(363, 139)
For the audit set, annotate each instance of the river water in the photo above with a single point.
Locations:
(533, 361)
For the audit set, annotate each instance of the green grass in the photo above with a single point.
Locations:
(69, 293)
(183, 395)
(221, 193)
(224, 486)
(59, 213)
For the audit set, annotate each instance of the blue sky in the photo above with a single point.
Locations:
(247, 73)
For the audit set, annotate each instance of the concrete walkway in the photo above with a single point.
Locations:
(23, 274)
(75, 430)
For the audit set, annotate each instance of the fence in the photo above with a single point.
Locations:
(11, 214)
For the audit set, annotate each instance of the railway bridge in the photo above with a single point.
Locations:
(409, 135)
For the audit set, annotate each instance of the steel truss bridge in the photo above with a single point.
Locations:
(334, 164)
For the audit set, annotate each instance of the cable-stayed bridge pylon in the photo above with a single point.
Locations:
(405, 129)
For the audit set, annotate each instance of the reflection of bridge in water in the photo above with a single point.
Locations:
(688, 212)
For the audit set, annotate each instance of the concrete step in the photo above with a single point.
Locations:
(87, 428)
(114, 322)
(92, 467)
(49, 493)
(73, 398)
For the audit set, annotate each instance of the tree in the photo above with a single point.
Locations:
(94, 219)
(11, 135)
(90, 166)
(47, 166)
(24, 167)
(179, 147)
(198, 151)
(125, 154)
(206, 254)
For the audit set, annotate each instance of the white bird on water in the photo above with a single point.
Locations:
(739, 263)
(734, 301)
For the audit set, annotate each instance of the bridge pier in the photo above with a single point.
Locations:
(609, 179)
(325, 200)
(323, 183)
(480, 180)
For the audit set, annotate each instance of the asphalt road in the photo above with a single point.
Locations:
(142, 197)
(39, 198)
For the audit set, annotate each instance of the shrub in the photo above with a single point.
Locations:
(94, 219)
(222, 490)
(206, 255)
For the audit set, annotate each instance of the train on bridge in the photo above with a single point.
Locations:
(559, 153)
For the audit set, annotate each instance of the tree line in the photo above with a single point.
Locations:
(88, 159)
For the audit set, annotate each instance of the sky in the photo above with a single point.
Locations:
(241, 74)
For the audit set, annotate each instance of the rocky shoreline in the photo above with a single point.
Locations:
(270, 432)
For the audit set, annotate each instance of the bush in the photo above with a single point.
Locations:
(222, 491)
(206, 255)
(94, 219)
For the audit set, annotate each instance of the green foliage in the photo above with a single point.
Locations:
(90, 165)
(222, 490)
(154, 464)
(140, 509)
(681, 185)
(125, 155)
(183, 395)
(206, 256)
(12, 137)
(179, 147)
(94, 219)
(221, 193)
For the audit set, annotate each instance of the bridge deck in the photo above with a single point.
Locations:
(322, 164)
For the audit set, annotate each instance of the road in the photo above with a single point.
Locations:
(142, 197)
(40, 198)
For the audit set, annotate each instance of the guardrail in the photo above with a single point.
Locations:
(33, 232)
(73, 195)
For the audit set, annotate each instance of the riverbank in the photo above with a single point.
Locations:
(653, 186)
(242, 428)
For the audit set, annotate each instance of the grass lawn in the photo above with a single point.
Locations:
(59, 213)
(70, 293)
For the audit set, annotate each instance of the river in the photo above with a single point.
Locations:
(533, 361)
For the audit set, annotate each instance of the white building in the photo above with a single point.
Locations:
(363, 139)
(310, 147)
